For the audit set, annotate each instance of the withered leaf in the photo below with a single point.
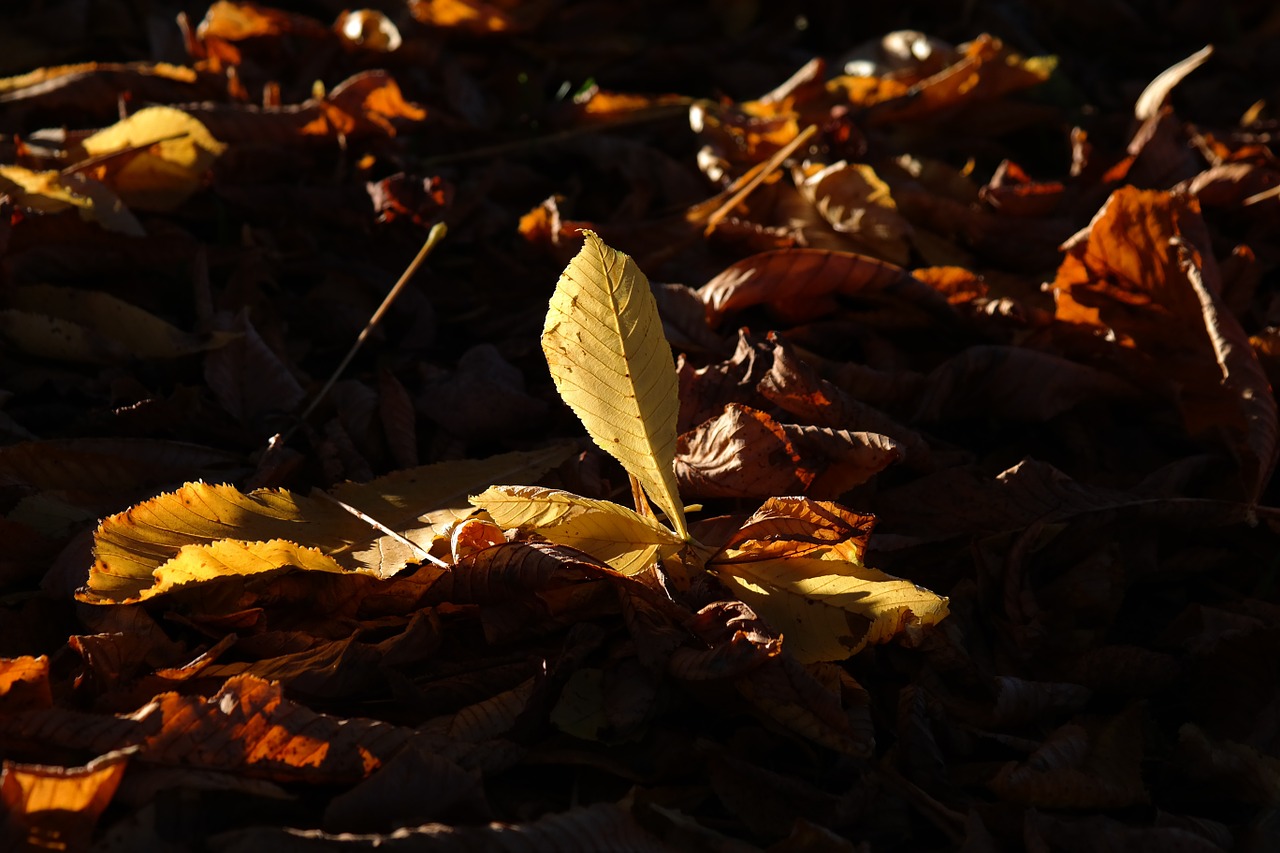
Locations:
(56, 808)
(817, 593)
(746, 453)
(802, 284)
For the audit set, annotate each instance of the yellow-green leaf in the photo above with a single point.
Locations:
(626, 540)
(610, 362)
(89, 326)
(829, 609)
(54, 192)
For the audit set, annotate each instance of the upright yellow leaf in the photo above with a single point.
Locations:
(603, 341)
(613, 534)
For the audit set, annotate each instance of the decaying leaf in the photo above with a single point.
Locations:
(603, 341)
(817, 593)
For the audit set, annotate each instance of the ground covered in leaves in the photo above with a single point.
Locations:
(1008, 284)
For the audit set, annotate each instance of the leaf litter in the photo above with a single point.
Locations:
(984, 558)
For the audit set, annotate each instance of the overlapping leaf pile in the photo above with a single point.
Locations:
(1005, 290)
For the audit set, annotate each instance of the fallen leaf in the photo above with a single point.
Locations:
(164, 155)
(54, 192)
(824, 601)
(611, 533)
(56, 808)
(90, 326)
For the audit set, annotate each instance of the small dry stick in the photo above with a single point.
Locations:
(437, 234)
(767, 169)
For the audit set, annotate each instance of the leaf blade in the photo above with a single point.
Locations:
(614, 534)
(611, 364)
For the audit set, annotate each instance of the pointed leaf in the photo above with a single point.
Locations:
(624, 539)
(603, 341)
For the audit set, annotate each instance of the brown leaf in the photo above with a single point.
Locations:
(247, 727)
(1097, 764)
(1137, 273)
(746, 453)
(600, 828)
(799, 285)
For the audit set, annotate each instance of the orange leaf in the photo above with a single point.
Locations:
(56, 808)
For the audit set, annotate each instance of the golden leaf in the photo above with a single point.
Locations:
(54, 192)
(603, 341)
(176, 153)
(798, 564)
(613, 534)
(202, 531)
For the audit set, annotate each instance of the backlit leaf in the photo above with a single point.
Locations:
(56, 808)
(603, 341)
(176, 152)
(203, 531)
(826, 604)
(54, 192)
(611, 533)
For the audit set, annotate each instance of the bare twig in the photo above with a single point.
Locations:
(437, 234)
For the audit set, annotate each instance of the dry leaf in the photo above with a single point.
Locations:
(611, 533)
(818, 594)
(165, 155)
(56, 808)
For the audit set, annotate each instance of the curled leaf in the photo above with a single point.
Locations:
(816, 592)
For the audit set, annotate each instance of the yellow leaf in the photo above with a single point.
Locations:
(798, 563)
(603, 342)
(147, 549)
(626, 540)
(54, 192)
(177, 153)
(829, 609)
(225, 557)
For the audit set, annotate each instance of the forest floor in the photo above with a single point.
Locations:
(989, 292)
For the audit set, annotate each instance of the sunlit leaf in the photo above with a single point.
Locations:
(54, 192)
(611, 533)
(178, 538)
(56, 808)
(826, 604)
(603, 341)
(173, 155)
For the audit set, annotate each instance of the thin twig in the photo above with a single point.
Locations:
(437, 234)
(773, 163)
(422, 553)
